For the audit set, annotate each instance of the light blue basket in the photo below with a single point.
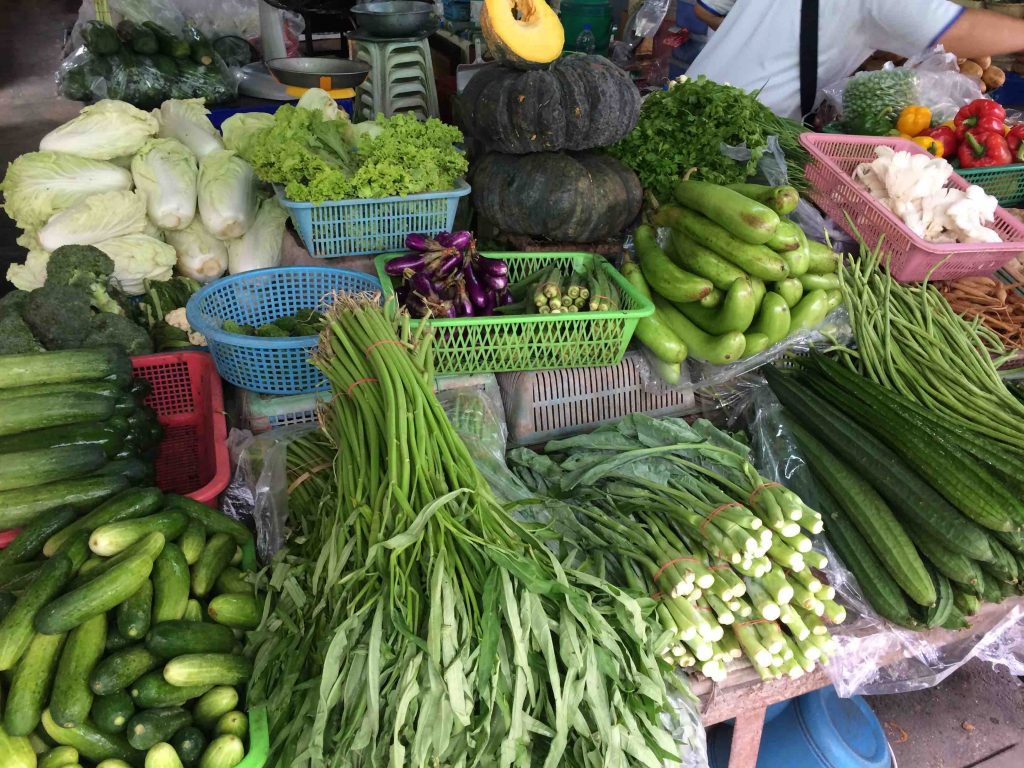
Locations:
(269, 366)
(369, 226)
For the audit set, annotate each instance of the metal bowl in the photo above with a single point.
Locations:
(394, 18)
(317, 72)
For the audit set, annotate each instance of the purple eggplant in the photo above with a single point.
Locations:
(496, 282)
(449, 264)
(507, 298)
(476, 291)
(411, 261)
(444, 239)
(495, 267)
(461, 240)
(420, 283)
(463, 305)
(422, 243)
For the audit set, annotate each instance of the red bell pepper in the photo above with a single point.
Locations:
(1015, 141)
(982, 114)
(948, 138)
(984, 151)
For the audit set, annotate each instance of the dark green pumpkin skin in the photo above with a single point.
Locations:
(578, 198)
(577, 103)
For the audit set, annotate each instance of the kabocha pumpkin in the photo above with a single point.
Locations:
(579, 102)
(579, 198)
(522, 33)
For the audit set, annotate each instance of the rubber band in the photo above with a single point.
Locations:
(670, 563)
(657, 595)
(306, 475)
(719, 567)
(754, 621)
(356, 383)
(716, 512)
(757, 492)
(377, 343)
(598, 298)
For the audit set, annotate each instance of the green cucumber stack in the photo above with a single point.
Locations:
(736, 277)
(120, 624)
(927, 517)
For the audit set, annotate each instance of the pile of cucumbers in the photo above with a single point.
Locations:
(736, 276)
(144, 64)
(73, 430)
(119, 636)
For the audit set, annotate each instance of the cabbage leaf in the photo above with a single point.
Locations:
(227, 194)
(260, 247)
(138, 258)
(201, 256)
(166, 171)
(186, 120)
(103, 131)
(98, 217)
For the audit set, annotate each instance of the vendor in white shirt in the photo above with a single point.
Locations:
(758, 42)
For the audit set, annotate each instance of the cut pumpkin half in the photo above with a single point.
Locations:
(522, 33)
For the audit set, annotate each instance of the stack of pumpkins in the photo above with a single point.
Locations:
(536, 115)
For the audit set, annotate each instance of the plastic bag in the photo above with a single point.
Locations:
(873, 656)
(940, 85)
(235, 17)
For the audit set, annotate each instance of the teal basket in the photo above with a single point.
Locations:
(365, 226)
(270, 366)
(535, 342)
(1005, 183)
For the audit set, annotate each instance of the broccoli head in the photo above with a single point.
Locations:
(15, 335)
(108, 328)
(59, 316)
(88, 268)
(13, 303)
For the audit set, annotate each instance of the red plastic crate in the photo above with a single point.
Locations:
(830, 170)
(189, 403)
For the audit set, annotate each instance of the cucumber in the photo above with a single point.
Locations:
(132, 469)
(797, 259)
(151, 691)
(92, 743)
(200, 50)
(135, 613)
(171, 584)
(113, 762)
(652, 332)
(735, 314)
(16, 628)
(193, 612)
(102, 40)
(141, 39)
(169, 45)
(214, 705)
(58, 757)
(217, 555)
(693, 256)
(77, 550)
(169, 639)
(193, 541)
(46, 465)
(756, 260)
(835, 298)
(756, 343)
(760, 290)
(113, 538)
(783, 199)
(238, 611)
(233, 581)
(16, 750)
(106, 388)
(24, 505)
(132, 503)
(822, 259)
(810, 312)
(223, 752)
(189, 743)
(713, 299)
(234, 723)
(106, 591)
(155, 725)
(717, 350)
(742, 217)
(7, 601)
(65, 366)
(31, 539)
(31, 684)
(208, 669)
(162, 755)
(151, 547)
(791, 289)
(672, 282)
(119, 670)
(872, 517)
(111, 713)
(813, 282)
(785, 237)
(108, 435)
(72, 697)
(213, 520)
(17, 577)
(773, 320)
(24, 414)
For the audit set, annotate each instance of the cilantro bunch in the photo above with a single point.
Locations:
(686, 126)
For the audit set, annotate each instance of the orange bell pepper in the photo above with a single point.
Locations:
(914, 120)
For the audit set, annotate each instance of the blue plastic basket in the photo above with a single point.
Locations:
(368, 226)
(269, 366)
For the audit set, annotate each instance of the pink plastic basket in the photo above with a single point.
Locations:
(830, 174)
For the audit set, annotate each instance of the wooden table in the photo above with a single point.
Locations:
(745, 697)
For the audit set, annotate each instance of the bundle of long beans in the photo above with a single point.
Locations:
(411, 620)
(679, 512)
(910, 340)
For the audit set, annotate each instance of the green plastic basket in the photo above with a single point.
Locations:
(535, 342)
(1005, 183)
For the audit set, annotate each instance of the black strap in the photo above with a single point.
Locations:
(808, 56)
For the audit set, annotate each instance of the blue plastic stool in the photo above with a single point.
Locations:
(818, 730)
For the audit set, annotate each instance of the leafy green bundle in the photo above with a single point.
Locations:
(686, 126)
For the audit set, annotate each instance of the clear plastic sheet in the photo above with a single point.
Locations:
(872, 655)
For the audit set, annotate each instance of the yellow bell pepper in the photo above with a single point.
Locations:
(932, 146)
(914, 120)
